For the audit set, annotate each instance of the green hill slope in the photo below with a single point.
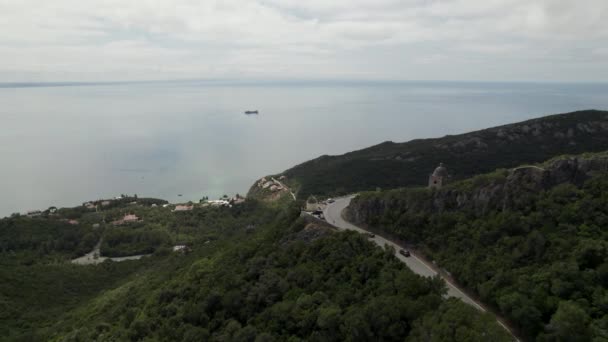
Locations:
(531, 242)
(254, 273)
(391, 165)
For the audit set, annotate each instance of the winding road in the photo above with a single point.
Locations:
(333, 215)
(94, 257)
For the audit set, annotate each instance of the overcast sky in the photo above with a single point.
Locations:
(87, 40)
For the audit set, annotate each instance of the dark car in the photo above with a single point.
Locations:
(370, 235)
(404, 252)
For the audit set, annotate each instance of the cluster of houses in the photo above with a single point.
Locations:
(95, 204)
(223, 202)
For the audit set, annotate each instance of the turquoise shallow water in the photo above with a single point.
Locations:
(65, 145)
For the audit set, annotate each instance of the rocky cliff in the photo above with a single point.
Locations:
(391, 165)
(503, 189)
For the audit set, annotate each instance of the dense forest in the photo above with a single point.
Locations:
(392, 165)
(35, 238)
(254, 273)
(530, 242)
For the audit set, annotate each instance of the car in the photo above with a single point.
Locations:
(370, 235)
(404, 252)
(330, 200)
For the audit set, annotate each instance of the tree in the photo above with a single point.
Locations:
(456, 321)
(569, 323)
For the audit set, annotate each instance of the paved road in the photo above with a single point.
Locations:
(528, 167)
(94, 257)
(333, 215)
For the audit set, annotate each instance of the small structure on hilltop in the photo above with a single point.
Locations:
(237, 199)
(34, 213)
(312, 203)
(181, 207)
(219, 203)
(127, 219)
(89, 205)
(439, 177)
(130, 218)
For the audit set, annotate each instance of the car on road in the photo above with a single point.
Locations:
(404, 252)
(370, 235)
(330, 200)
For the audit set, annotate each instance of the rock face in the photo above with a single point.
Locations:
(267, 189)
(313, 230)
(310, 233)
(501, 190)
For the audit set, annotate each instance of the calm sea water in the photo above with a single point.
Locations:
(65, 145)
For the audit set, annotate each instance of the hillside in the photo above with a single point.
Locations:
(391, 165)
(530, 241)
(255, 272)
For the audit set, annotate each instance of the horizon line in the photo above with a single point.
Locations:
(270, 81)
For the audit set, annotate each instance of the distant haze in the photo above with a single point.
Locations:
(75, 40)
(64, 145)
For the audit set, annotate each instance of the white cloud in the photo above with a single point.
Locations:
(396, 39)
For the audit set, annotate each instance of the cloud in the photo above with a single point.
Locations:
(394, 39)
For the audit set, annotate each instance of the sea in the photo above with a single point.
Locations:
(62, 144)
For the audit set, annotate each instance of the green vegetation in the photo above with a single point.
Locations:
(34, 298)
(128, 241)
(38, 284)
(539, 255)
(392, 165)
(249, 277)
(26, 239)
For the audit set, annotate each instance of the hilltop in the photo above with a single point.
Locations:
(391, 165)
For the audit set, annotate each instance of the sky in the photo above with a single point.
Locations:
(482, 40)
